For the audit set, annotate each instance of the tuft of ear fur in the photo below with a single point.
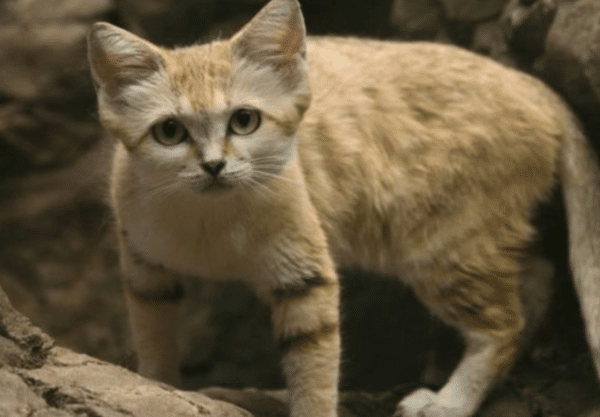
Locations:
(119, 58)
(276, 36)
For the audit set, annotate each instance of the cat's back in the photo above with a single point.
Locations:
(408, 136)
(345, 66)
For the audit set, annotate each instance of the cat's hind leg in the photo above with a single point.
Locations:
(483, 304)
(466, 388)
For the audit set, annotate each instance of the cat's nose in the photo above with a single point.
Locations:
(213, 167)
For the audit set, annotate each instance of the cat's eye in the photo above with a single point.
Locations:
(169, 132)
(244, 121)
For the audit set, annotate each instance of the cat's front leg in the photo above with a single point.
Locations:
(306, 325)
(153, 296)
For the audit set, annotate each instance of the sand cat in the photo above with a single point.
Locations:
(276, 158)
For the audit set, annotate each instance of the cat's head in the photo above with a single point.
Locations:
(207, 117)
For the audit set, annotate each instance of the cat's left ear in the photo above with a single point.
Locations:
(276, 36)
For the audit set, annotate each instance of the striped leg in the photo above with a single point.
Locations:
(306, 325)
(153, 296)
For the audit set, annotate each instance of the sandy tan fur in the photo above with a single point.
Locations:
(417, 160)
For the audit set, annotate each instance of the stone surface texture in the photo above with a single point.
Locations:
(38, 378)
(571, 62)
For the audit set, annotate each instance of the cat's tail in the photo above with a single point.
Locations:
(580, 179)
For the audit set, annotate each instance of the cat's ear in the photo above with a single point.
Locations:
(275, 36)
(119, 58)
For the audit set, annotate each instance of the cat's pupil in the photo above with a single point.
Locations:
(169, 128)
(243, 118)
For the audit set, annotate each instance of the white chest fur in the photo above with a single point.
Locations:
(188, 235)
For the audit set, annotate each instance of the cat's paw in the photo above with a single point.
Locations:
(426, 403)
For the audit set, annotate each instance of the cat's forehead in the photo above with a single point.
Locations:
(201, 73)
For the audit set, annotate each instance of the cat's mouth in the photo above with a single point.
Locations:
(202, 184)
(216, 185)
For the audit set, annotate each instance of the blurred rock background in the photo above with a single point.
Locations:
(58, 262)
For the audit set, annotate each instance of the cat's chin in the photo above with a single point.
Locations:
(214, 188)
(218, 188)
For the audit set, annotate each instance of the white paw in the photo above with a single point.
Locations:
(425, 403)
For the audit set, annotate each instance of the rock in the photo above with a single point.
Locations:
(40, 379)
(22, 344)
(507, 408)
(571, 63)
(595, 412)
(16, 397)
(525, 26)
(169, 22)
(416, 19)
(46, 96)
(472, 10)
(39, 10)
(267, 403)
(488, 39)
(182, 22)
(78, 383)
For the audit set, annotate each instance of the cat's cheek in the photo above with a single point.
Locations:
(272, 144)
(168, 159)
(240, 148)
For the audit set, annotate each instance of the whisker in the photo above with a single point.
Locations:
(277, 159)
(259, 188)
(272, 176)
(156, 190)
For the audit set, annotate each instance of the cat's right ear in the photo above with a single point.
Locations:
(119, 58)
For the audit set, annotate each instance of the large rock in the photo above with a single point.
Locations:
(416, 19)
(40, 379)
(46, 97)
(526, 26)
(472, 10)
(571, 63)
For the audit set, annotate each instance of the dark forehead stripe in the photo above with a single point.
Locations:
(198, 70)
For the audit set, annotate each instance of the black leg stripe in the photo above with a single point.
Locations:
(299, 287)
(308, 338)
(163, 295)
